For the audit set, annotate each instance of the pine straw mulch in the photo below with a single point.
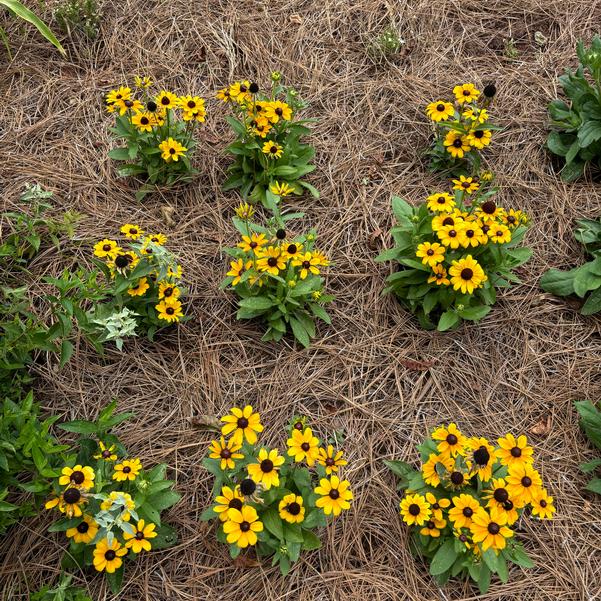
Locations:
(373, 373)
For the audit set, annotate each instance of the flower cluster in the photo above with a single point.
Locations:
(462, 129)
(143, 277)
(270, 160)
(466, 500)
(270, 500)
(277, 276)
(454, 250)
(158, 130)
(110, 505)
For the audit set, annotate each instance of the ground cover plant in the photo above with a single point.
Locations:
(590, 422)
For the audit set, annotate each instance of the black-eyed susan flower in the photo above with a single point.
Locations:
(230, 498)
(171, 150)
(472, 235)
(467, 275)
(443, 219)
(169, 310)
(457, 477)
(79, 476)
(143, 82)
(523, 483)
(140, 288)
(131, 231)
(144, 121)
(272, 149)
(499, 234)
(253, 243)
(439, 276)
(168, 290)
(158, 239)
(291, 250)
(127, 470)
(276, 110)
(69, 502)
(260, 126)
(175, 272)
(245, 211)
(193, 107)
(415, 510)
(451, 440)
(107, 556)
(303, 446)
(481, 455)
(115, 100)
(542, 504)
(433, 527)
(331, 459)
(479, 138)
(167, 100)
(271, 261)
(437, 505)
(514, 451)
(106, 248)
(226, 452)
(224, 94)
(430, 253)
(281, 189)
(334, 495)
(242, 424)
(463, 510)
(466, 184)
(237, 269)
(309, 264)
(441, 202)
(291, 509)
(266, 470)
(242, 526)
(457, 144)
(450, 235)
(434, 466)
(498, 496)
(440, 110)
(489, 210)
(119, 501)
(85, 532)
(123, 261)
(140, 539)
(106, 453)
(466, 92)
(490, 530)
(239, 91)
(477, 115)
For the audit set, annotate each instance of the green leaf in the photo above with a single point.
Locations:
(273, 523)
(589, 132)
(572, 171)
(402, 209)
(257, 303)
(558, 282)
(474, 313)
(66, 353)
(444, 558)
(299, 331)
(594, 486)
(448, 320)
(310, 541)
(119, 154)
(390, 254)
(593, 303)
(590, 466)
(79, 427)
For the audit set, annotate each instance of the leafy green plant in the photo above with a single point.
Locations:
(78, 17)
(268, 153)
(29, 456)
(273, 502)
(590, 422)
(453, 253)
(583, 281)
(385, 44)
(19, 10)
(576, 124)
(110, 506)
(63, 591)
(277, 277)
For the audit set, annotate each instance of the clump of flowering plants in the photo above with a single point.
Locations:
(466, 500)
(270, 159)
(461, 129)
(277, 277)
(158, 132)
(454, 250)
(109, 505)
(269, 500)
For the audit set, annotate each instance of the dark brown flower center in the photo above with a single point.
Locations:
(292, 249)
(508, 505)
(330, 462)
(247, 486)
(266, 466)
(272, 262)
(334, 494)
(294, 508)
(511, 219)
(168, 291)
(526, 482)
(501, 495)
(489, 207)
(245, 526)
(170, 310)
(165, 101)
(110, 555)
(414, 509)
(457, 478)
(440, 108)
(305, 446)
(448, 221)
(467, 274)
(106, 247)
(482, 456)
(457, 143)
(441, 200)
(542, 503)
(306, 264)
(452, 233)
(235, 503)
(278, 111)
(516, 452)
(225, 453)
(478, 134)
(106, 454)
(470, 233)
(139, 535)
(144, 120)
(494, 528)
(468, 512)
(126, 469)
(77, 477)
(122, 261)
(429, 252)
(430, 525)
(191, 104)
(83, 527)
(242, 423)
(451, 439)
(172, 151)
(71, 496)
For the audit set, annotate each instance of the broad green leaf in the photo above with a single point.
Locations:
(444, 558)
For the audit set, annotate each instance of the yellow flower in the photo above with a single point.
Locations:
(140, 288)
(224, 95)
(335, 495)
(457, 144)
(169, 309)
(245, 211)
(85, 532)
(479, 138)
(467, 275)
(523, 483)
(440, 110)
(463, 510)
(142, 82)
(308, 263)
(542, 504)
(243, 424)
(171, 150)
(127, 470)
(266, 470)
(281, 189)
(482, 456)
(138, 541)
(122, 261)
(230, 498)
(106, 453)
(489, 211)
(144, 121)
(442, 219)
(499, 234)
(242, 526)
(239, 91)
(167, 100)
(168, 290)
(476, 115)
(466, 184)
(415, 510)
(121, 501)
(273, 150)
(430, 254)
(259, 126)
(331, 459)
(498, 496)
(514, 451)
(291, 250)
(514, 218)
(133, 232)
(271, 261)
(439, 276)
(79, 476)
(274, 111)
(253, 243)
(472, 235)
(106, 248)
(158, 239)
(227, 452)
(303, 446)
(291, 509)
(451, 440)
(490, 529)
(430, 473)
(441, 202)
(450, 235)
(107, 558)
(115, 100)
(466, 92)
(437, 505)
(433, 527)
(193, 108)
(237, 270)
(69, 502)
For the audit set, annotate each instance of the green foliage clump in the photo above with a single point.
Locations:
(78, 17)
(590, 422)
(63, 591)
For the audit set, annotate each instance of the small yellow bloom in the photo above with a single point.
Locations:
(281, 189)
(273, 150)
(107, 557)
(140, 288)
(466, 92)
(171, 150)
(139, 540)
(169, 310)
(127, 470)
